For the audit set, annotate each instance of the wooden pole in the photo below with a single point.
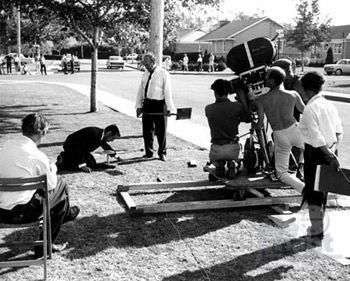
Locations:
(156, 31)
(19, 34)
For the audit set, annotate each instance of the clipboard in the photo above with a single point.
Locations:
(330, 180)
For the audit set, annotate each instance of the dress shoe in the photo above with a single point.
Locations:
(162, 157)
(72, 215)
(147, 156)
(38, 250)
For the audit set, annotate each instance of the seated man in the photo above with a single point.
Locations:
(20, 157)
(79, 145)
(224, 117)
(278, 105)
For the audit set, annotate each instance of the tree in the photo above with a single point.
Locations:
(329, 57)
(308, 30)
(93, 19)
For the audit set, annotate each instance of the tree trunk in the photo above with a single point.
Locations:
(156, 31)
(94, 69)
(302, 61)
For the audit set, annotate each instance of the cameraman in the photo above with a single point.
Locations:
(278, 105)
(224, 117)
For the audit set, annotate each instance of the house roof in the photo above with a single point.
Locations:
(231, 29)
(340, 31)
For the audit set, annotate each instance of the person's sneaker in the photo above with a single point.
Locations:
(73, 213)
(162, 157)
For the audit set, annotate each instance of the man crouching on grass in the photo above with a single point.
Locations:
(20, 158)
(79, 145)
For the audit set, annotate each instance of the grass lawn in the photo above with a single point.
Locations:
(105, 243)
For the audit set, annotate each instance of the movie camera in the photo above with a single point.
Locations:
(250, 62)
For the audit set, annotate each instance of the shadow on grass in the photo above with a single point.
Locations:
(239, 268)
(87, 236)
(11, 116)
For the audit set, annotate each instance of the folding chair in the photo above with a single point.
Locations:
(22, 184)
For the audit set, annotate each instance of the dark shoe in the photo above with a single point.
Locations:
(147, 156)
(39, 253)
(73, 213)
(162, 157)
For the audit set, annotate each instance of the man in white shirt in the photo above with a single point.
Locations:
(154, 103)
(322, 131)
(20, 157)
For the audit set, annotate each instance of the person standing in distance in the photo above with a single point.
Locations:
(154, 103)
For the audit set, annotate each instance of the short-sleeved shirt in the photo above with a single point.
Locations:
(320, 122)
(223, 119)
(20, 157)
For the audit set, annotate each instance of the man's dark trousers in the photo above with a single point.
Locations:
(31, 211)
(154, 123)
(316, 200)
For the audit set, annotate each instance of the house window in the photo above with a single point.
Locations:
(338, 48)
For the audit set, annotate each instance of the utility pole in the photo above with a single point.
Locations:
(19, 34)
(156, 32)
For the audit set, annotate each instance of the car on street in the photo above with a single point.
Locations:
(339, 68)
(69, 65)
(115, 61)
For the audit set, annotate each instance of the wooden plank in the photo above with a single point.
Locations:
(166, 185)
(21, 263)
(244, 180)
(213, 204)
(275, 208)
(128, 200)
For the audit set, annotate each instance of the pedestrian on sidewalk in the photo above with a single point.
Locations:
(42, 61)
(185, 62)
(9, 59)
(20, 157)
(211, 63)
(200, 62)
(154, 102)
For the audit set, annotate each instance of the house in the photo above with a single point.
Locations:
(340, 43)
(234, 33)
(186, 42)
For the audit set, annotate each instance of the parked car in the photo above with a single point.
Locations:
(69, 66)
(339, 68)
(115, 61)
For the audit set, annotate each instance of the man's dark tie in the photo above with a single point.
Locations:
(146, 88)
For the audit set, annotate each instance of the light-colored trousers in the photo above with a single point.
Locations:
(284, 141)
